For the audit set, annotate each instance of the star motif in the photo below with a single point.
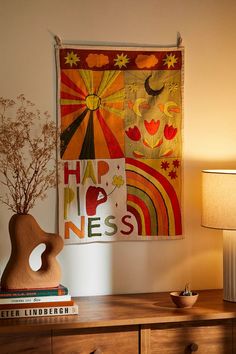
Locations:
(165, 165)
(172, 174)
(170, 60)
(176, 163)
(121, 60)
(71, 59)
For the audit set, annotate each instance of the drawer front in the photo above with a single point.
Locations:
(39, 343)
(117, 340)
(186, 339)
(234, 336)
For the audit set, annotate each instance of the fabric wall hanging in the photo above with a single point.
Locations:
(120, 117)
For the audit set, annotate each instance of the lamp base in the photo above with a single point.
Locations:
(229, 265)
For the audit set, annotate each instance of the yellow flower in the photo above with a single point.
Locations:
(117, 181)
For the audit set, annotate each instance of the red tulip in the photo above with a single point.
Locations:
(133, 133)
(170, 132)
(152, 126)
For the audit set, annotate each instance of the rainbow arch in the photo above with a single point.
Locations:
(152, 200)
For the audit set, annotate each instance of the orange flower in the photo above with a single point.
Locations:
(133, 133)
(152, 145)
(138, 154)
(170, 132)
(167, 153)
(152, 126)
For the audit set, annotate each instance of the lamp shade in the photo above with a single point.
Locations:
(219, 199)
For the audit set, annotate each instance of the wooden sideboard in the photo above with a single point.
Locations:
(128, 324)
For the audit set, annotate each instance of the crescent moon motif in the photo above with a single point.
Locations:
(136, 105)
(167, 108)
(149, 90)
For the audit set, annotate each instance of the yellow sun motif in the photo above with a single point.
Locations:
(99, 105)
(170, 60)
(121, 60)
(133, 87)
(172, 86)
(71, 59)
(93, 102)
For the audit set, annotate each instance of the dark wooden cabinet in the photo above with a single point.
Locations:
(26, 342)
(128, 324)
(207, 337)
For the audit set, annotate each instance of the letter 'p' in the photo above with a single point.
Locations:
(102, 169)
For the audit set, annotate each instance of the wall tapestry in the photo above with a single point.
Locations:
(120, 118)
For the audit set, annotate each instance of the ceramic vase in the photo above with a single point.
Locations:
(26, 235)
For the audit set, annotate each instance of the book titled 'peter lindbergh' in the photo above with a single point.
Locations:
(62, 310)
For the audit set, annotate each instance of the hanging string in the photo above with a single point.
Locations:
(58, 41)
(179, 40)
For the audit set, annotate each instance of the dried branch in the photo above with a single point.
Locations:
(28, 142)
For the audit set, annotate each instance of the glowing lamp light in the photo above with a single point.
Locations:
(219, 212)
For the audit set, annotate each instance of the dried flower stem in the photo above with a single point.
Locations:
(25, 154)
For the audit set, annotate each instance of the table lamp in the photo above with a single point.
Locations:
(219, 212)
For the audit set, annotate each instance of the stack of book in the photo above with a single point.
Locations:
(36, 302)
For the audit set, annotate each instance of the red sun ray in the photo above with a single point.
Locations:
(65, 80)
(67, 109)
(68, 96)
(112, 144)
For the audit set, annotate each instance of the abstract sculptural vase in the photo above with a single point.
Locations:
(26, 235)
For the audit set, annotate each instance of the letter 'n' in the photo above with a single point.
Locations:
(69, 225)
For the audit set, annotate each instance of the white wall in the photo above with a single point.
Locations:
(208, 28)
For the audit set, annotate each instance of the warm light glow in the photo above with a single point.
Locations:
(219, 199)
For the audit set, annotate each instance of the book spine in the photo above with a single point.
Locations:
(40, 312)
(35, 304)
(34, 292)
(28, 300)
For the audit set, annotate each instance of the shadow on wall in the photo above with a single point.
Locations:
(5, 244)
(147, 266)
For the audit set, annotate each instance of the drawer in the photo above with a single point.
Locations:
(33, 343)
(234, 336)
(112, 340)
(186, 338)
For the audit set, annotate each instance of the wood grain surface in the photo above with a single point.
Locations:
(130, 324)
(130, 309)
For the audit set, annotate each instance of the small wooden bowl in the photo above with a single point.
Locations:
(183, 301)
